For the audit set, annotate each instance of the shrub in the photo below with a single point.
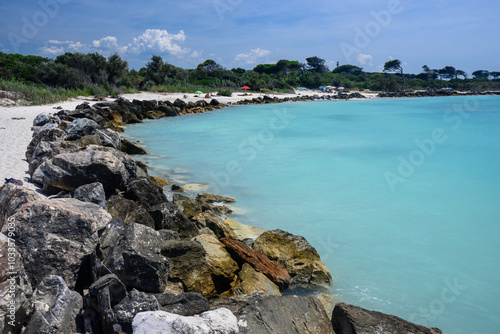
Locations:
(225, 92)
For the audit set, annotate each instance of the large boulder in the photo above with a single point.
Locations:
(297, 256)
(91, 193)
(136, 259)
(56, 308)
(129, 211)
(356, 320)
(75, 167)
(220, 321)
(187, 304)
(168, 216)
(214, 223)
(15, 288)
(189, 265)
(221, 264)
(131, 305)
(43, 152)
(56, 236)
(49, 135)
(145, 192)
(12, 197)
(81, 127)
(249, 280)
(284, 315)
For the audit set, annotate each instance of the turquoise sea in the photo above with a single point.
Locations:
(401, 197)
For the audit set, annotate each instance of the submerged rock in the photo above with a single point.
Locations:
(297, 256)
(356, 320)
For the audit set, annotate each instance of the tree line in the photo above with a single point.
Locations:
(99, 75)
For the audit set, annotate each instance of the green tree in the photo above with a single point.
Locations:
(495, 75)
(394, 66)
(481, 74)
(349, 69)
(116, 68)
(316, 64)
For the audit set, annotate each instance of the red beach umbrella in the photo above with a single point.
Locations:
(245, 87)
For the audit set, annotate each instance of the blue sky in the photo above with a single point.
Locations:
(237, 33)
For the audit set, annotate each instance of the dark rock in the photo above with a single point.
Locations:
(137, 261)
(167, 215)
(109, 237)
(234, 303)
(41, 119)
(216, 224)
(43, 152)
(129, 211)
(92, 193)
(169, 235)
(189, 265)
(145, 192)
(49, 135)
(177, 188)
(189, 206)
(187, 304)
(356, 320)
(116, 289)
(214, 102)
(13, 282)
(180, 104)
(12, 197)
(297, 256)
(284, 315)
(56, 236)
(81, 127)
(134, 303)
(131, 148)
(76, 167)
(241, 252)
(56, 308)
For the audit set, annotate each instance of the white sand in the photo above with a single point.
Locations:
(16, 123)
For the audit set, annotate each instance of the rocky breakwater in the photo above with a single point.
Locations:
(299, 98)
(100, 248)
(433, 93)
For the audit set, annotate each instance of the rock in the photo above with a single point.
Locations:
(356, 320)
(145, 192)
(41, 119)
(12, 197)
(243, 231)
(234, 303)
(277, 274)
(109, 138)
(109, 237)
(221, 264)
(92, 193)
(167, 215)
(160, 181)
(284, 315)
(15, 288)
(56, 308)
(76, 167)
(129, 211)
(189, 206)
(211, 198)
(49, 135)
(131, 305)
(177, 188)
(132, 148)
(250, 280)
(215, 223)
(169, 235)
(42, 153)
(115, 288)
(136, 259)
(186, 304)
(180, 104)
(220, 321)
(189, 265)
(214, 102)
(56, 236)
(297, 256)
(81, 127)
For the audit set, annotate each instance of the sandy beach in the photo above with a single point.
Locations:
(16, 123)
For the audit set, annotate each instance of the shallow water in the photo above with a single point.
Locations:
(399, 196)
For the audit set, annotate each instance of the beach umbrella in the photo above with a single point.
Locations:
(245, 87)
(199, 92)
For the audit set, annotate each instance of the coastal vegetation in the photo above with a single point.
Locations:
(40, 80)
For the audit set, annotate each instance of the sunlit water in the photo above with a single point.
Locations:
(400, 197)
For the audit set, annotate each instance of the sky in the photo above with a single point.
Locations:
(237, 33)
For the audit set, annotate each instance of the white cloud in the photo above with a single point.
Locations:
(152, 40)
(251, 57)
(365, 59)
(159, 40)
(50, 51)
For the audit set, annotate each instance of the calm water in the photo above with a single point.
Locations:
(400, 197)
